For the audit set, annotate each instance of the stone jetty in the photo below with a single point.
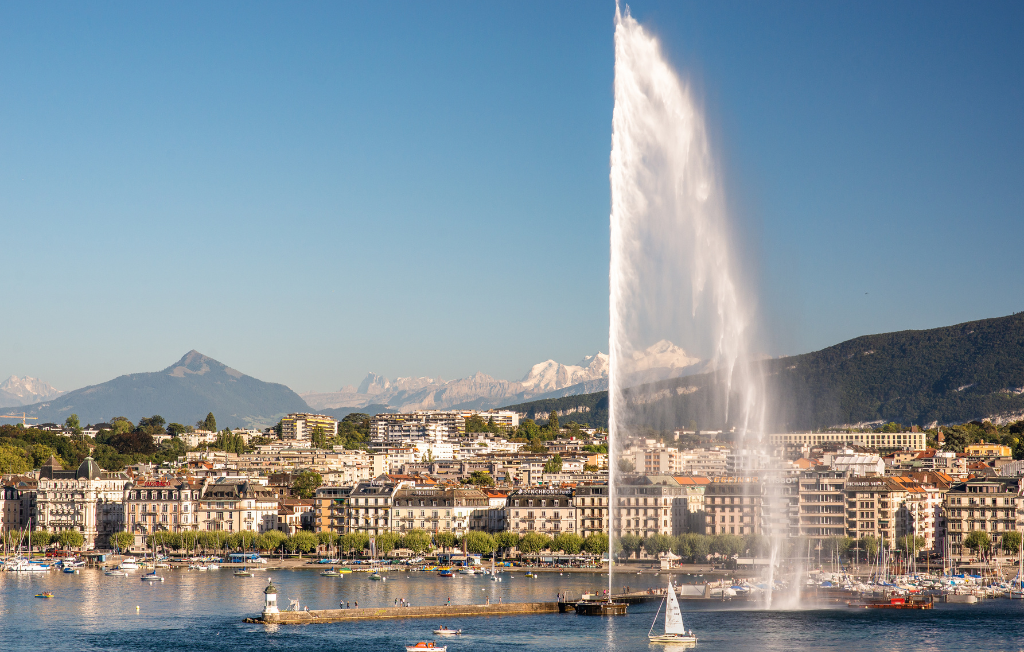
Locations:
(390, 613)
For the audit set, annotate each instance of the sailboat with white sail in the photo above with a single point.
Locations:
(675, 631)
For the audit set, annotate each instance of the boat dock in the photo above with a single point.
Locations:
(391, 613)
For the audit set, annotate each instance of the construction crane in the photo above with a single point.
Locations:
(18, 416)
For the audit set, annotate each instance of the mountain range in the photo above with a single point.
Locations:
(938, 376)
(943, 375)
(25, 390)
(546, 379)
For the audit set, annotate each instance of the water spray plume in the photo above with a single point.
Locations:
(672, 270)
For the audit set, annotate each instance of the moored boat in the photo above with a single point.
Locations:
(446, 572)
(426, 646)
(446, 631)
(151, 577)
(45, 594)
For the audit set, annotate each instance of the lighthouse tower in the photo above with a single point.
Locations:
(271, 594)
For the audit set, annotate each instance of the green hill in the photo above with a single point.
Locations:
(947, 375)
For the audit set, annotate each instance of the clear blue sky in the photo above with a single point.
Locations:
(310, 191)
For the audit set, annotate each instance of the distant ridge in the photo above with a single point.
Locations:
(951, 374)
(183, 392)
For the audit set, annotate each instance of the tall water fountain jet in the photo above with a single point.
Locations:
(673, 273)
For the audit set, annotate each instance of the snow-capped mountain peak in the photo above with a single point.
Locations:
(25, 390)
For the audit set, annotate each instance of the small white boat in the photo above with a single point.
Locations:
(200, 567)
(151, 577)
(445, 631)
(129, 563)
(213, 567)
(675, 632)
(115, 573)
(466, 570)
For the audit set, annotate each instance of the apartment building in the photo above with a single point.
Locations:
(822, 503)
(885, 440)
(990, 505)
(701, 462)
(591, 501)
(550, 511)
(658, 461)
(88, 499)
(873, 507)
(300, 426)
(232, 506)
(160, 505)
(645, 505)
(688, 512)
(368, 507)
(445, 423)
(441, 509)
(328, 505)
(733, 505)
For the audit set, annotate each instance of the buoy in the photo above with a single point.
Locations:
(136, 608)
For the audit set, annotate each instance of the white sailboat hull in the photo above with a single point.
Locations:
(672, 638)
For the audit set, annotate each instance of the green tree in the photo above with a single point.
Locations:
(305, 485)
(354, 430)
(303, 542)
(14, 460)
(479, 543)
(553, 422)
(481, 479)
(72, 424)
(122, 541)
(177, 430)
(528, 429)
(386, 542)
(626, 465)
(596, 543)
(977, 541)
(506, 540)
(41, 452)
(209, 423)
(870, 545)
(446, 540)
(416, 541)
(567, 542)
(534, 542)
(41, 539)
(1011, 542)
(319, 437)
(122, 425)
(327, 538)
(554, 464)
(631, 544)
(153, 425)
(658, 543)
(908, 543)
(71, 539)
(590, 468)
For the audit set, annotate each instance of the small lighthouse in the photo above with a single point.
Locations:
(271, 595)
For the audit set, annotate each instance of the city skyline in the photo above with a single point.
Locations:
(311, 194)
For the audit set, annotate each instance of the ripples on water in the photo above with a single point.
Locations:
(203, 611)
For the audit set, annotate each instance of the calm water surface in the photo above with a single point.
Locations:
(194, 610)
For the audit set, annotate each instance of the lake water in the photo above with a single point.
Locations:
(195, 610)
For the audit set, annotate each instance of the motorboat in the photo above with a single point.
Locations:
(330, 573)
(447, 631)
(47, 594)
(22, 565)
(129, 563)
(376, 576)
(115, 573)
(245, 572)
(212, 567)
(446, 572)
(433, 647)
(344, 570)
(532, 575)
(466, 570)
(201, 567)
(151, 577)
(70, 570)
(675, 632)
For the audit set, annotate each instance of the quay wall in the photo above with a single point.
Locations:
(389, 613)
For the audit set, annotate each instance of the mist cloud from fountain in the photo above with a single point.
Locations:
(673, 274)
